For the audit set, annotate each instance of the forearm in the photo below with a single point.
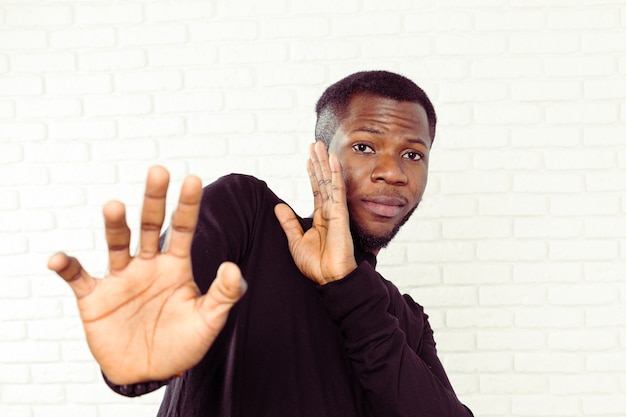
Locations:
(383, 346)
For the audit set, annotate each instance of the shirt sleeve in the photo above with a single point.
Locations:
(391, 347)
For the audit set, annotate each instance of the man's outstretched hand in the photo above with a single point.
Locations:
(146, 320)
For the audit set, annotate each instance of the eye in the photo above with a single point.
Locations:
(412, 155)
(362, 148)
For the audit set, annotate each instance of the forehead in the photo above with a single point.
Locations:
(368, 108)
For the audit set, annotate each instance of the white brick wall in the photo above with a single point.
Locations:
(518, 251)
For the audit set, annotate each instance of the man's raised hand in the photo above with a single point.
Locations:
(325, 253)
(146, 320)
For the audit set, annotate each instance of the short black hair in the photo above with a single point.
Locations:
(332, 106)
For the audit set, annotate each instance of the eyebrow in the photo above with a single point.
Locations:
(374, 131)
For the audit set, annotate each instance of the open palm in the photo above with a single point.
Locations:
(146, 320)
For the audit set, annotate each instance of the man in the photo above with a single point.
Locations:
(318, 332)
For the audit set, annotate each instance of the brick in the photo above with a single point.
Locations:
(443, 161)
(38, 16)
(513, 205)
(57, 152)
(112, 60)
(543, 404)
(436, 252)
(516, 20)
(549, 362)
(297, 27)
(23, 174)
(517, 384)
(450, 20)
(230, 79)
(579, 66)
(324, 6)
(603, 405)
(444, 296)
(604, 271)
(162, 34)
(26, 221)
(610, 315)
(187, 10)
(151, 81)
(9, 199)
(380, 48)
(21, 85)
(23, 394)
(119, 150)
(15, 411)
(7, 110)
(292, 75)
(43, 62)
(13, 244)
(475, 138)
(450, 206)
(596, 205)
(10, 153)
(78, 84)
(267, 99)
(539, 91)
(322, 50)
(463, 92)
(405, 276)
(262, 145)
(12, 330)
(227, 30)
(455, 342)
(603, 136)
(88, 37)
(548, 228)
(545, 137)
(75, 351)
(42, 108)
(577, 113)
(604, 89)
(583, 250)
(475, 182)
(605, 227)
(22, 39)
(132, 127)
(259, 52)
(364, 25)
(14, 374)
(515, 340)
(64, 410)
(107, 14)
(187, 102)
(112, 105)
(507, 114)
(498, 250)
(595, 42)
(606, 362)
(480, 45)
(83, 173)
(548, 317)
(477, 228)
(459, 274)
(28, 351)
(82, 129)
(52, 196)
(478, 363)
(182, 55)
(543, 43)
(582, 340)
(58, 373)
(219, 123)
(511, 295)
(508, 67)
(588, 19)
(549, 183)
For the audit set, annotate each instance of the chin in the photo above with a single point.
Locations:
(370, 241)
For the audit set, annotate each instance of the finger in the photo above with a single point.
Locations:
(117, 235)
(185, 217)
(227, 288)
(315, 187)
(322, 155)
(73, 273)
(289, 222)
(338, 193)
(153, 211)
(317, 161)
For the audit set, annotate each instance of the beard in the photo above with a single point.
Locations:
(369, 242)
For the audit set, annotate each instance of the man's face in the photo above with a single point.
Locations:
(383, 146)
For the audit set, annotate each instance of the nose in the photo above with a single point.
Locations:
(388, 169)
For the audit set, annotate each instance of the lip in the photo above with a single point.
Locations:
(385, 206)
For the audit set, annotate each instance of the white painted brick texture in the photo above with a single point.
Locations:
(518, 252)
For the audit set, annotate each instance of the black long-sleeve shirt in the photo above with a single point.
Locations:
(354, 347)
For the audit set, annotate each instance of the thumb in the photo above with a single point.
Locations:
(289, 222)
(227, 288)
